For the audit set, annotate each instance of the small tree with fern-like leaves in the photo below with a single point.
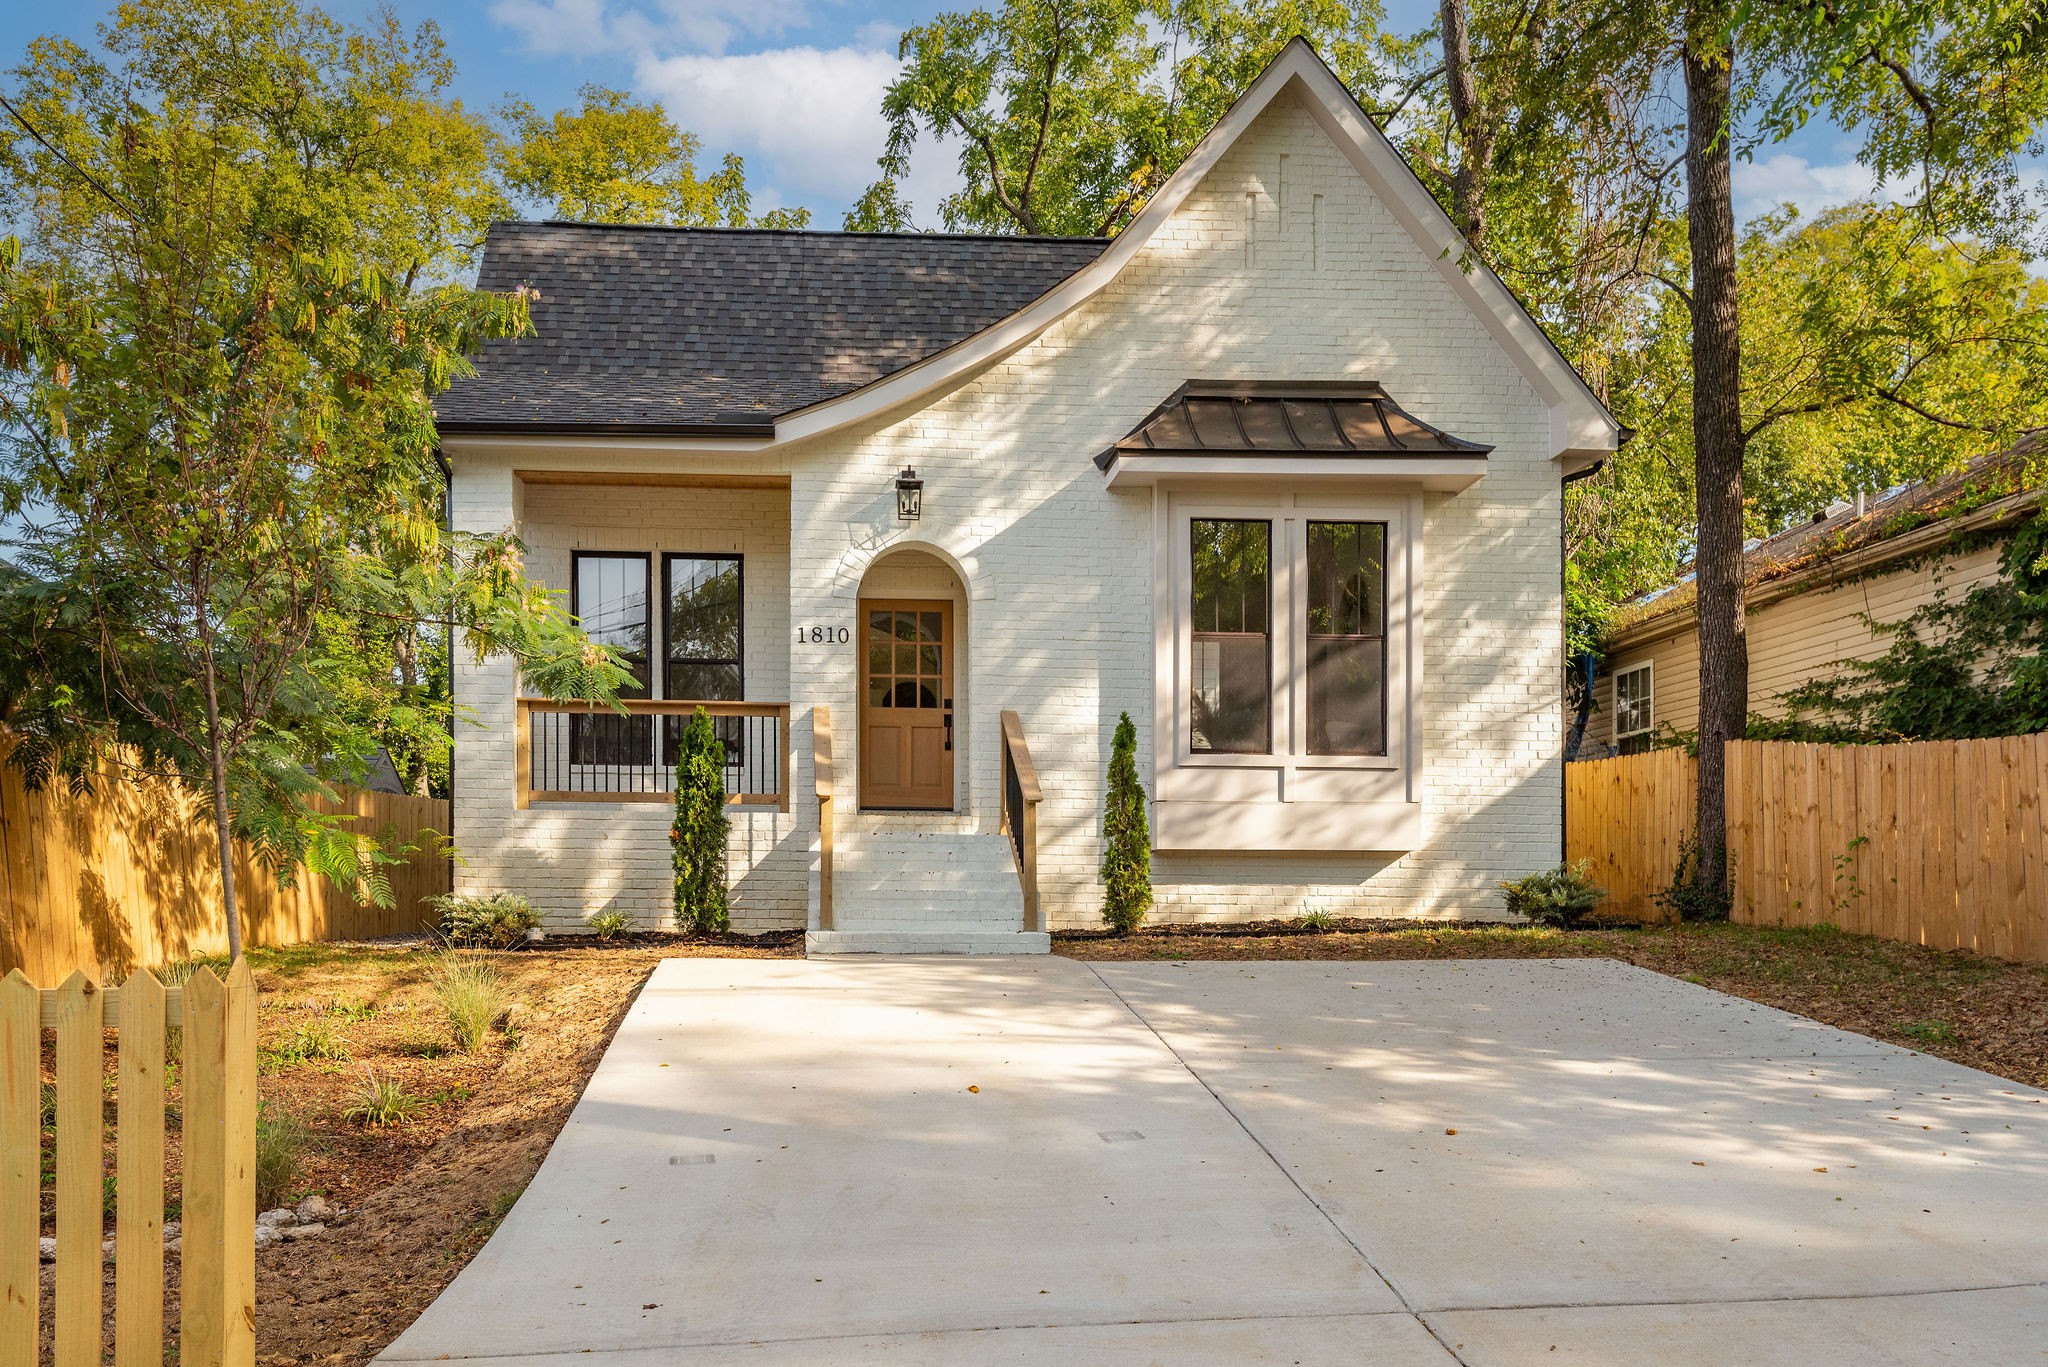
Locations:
(1126, 837)
(698, 834)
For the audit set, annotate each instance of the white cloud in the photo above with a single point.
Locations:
(808, 120)
(1788, 179)
(583, 28)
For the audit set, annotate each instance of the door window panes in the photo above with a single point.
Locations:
(1347, 638)
(1232, 658)
(906, 658)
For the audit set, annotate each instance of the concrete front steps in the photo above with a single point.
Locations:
(932, 889)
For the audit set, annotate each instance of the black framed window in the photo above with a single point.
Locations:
(1231, 698)
(1347, 638)
(703, 627)
(608, 592)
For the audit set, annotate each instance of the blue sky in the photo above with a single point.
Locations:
(795, 85)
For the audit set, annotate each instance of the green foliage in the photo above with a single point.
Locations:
(1560, 897)
(381, 1101)
(1316, 922)
(1070, 113)
(1693, 895)
(609, 925)
(621, 160)
(1126, 837)
(496, 921)
(697, 835)
(310, 1041)
(281, 1143)
(221, 332)
(472, 998)
(1956, 669)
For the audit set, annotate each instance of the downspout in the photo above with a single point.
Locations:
(1577, 735)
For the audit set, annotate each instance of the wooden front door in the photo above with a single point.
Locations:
(906, 705)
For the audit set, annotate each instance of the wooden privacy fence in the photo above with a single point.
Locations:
(217, 1262)
(128, 876)
(1630, 816)
(1940, 843)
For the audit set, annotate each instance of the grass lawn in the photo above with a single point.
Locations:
(425, 1192)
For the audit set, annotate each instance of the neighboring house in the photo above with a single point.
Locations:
(1812, 593)
(1276, 471)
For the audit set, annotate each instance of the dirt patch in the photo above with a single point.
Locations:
(1979, 1011)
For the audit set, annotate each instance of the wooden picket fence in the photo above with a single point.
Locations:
(1939, 843)
(217, 1266)
(1629, 816)
(128, 875)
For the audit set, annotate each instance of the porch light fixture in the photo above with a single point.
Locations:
(909, 496)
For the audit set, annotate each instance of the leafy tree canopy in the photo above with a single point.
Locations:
(616, 159)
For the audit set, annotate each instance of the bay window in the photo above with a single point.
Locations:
(1347, 638)
(1231, 700)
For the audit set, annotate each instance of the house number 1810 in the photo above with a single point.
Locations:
(837, 636)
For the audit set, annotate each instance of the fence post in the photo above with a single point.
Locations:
(21, 1139)
(219, 1266)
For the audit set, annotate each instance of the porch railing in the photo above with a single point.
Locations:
(578, 752)
(1020, 813)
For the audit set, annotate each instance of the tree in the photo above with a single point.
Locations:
(218, 349)
(616, 159)
(698, 833)
(1126, 837)
(1064, 122)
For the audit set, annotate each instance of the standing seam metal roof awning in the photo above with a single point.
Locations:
(1312, 427)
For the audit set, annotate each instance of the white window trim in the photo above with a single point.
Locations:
(1647, 667)
(1182, 774)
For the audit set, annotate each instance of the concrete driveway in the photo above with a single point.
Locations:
(955, 1162)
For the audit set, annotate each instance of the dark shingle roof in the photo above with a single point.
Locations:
(684, 327)
(1287, 418)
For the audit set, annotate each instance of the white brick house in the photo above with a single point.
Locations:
(1274, 471)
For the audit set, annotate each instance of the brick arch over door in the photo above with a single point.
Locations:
(912, 582)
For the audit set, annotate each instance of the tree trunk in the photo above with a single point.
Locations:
(1475, 130)
(1716, 425)
(216, 761)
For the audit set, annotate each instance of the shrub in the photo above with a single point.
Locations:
(318, 1038)
(609, 925)
(1126, 838)
(698, 833)
(471, 995)
(381, 1101)
(1556, 897)
(280, 1141)
(498, 921)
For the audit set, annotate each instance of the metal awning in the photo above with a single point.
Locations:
(1279, 427)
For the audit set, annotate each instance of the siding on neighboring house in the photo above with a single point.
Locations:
(1791, 641)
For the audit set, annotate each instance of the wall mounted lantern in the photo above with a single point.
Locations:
(909, 496)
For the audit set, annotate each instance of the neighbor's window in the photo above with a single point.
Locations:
(1232, 660)
(608, 594)
(1633, 706)
(701, 651)
(1347, 638)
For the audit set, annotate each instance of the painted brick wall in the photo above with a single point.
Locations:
(1281, 265)
(575, 860)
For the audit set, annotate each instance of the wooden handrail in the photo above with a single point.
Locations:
(821, 774)
(1022, 826)
(524, 793)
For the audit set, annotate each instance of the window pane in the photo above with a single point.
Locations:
(1632, 711)
(1347, 646)
(611, 603)
(703, 608)
(1346, 707)
(1231, 704)
(1346, 570)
